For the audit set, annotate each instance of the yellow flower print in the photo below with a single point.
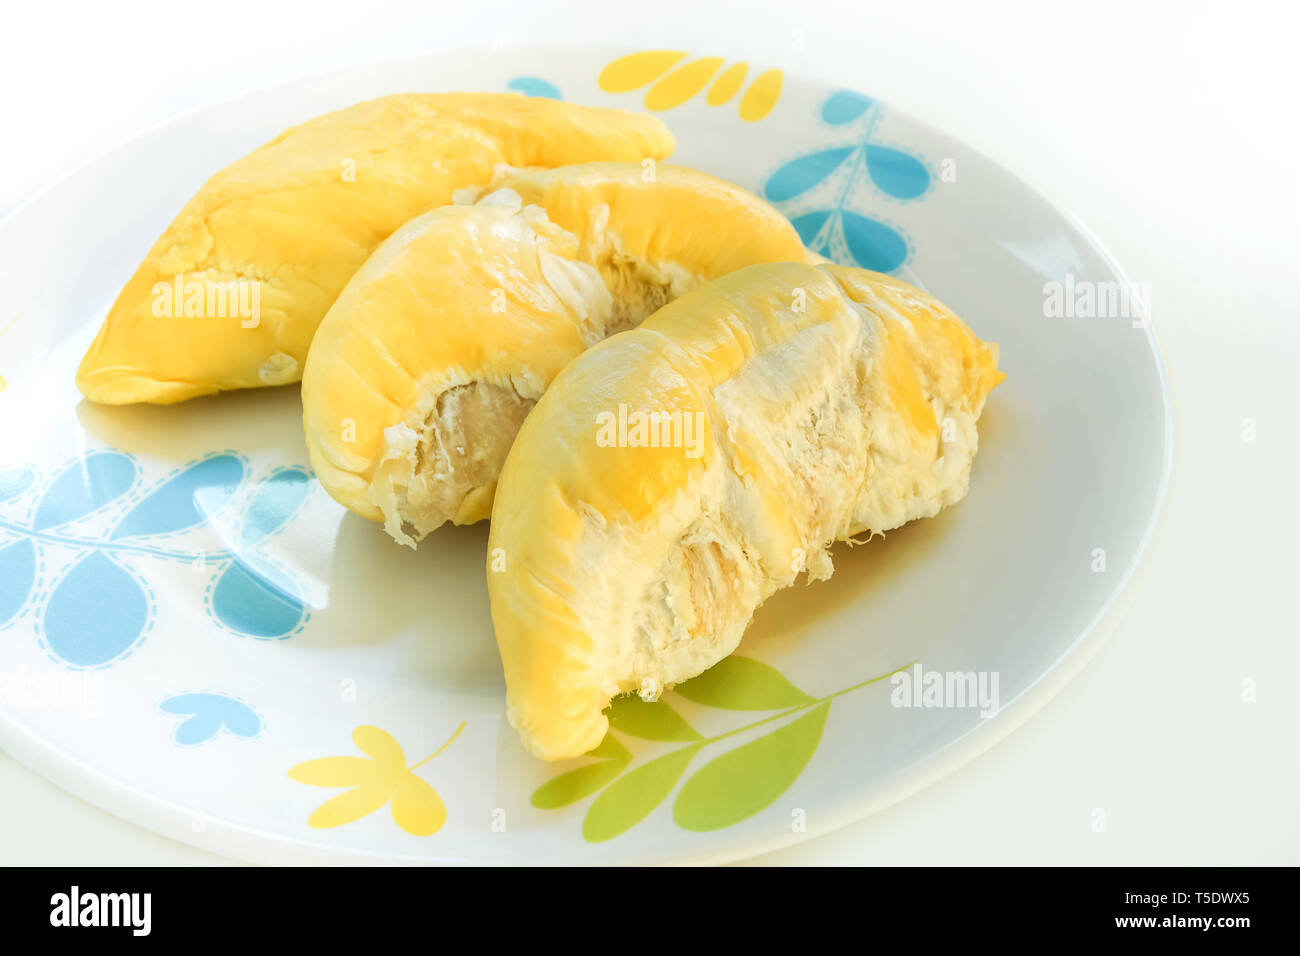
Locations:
(382, 775)
(672, 85)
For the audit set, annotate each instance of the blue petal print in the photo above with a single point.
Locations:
(254, 597)
(14, 481)
(17, 573)
(87, 484)
(844, 107)
(96, 613)
(535, 86)
(802, 174)
(873, 244)
(184, 500)
(274, 503)
(896, 173)
(208, 713)
(809, 225)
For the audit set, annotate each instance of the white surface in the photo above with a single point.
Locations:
(1172, 140)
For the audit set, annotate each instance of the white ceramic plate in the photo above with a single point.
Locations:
(185, 616)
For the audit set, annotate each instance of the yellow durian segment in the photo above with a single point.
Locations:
(459, 296)
(286, 226)
(634, 71)
(658, 229)
(423, 369)
(791, 406)
(761, 96)
(682, 83)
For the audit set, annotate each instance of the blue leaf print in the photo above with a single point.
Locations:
(17, 572)
(535, 86)
(844, 106)
(14, 481)
(96, 613)
(254, 597)
(873, 244)
(208, 713)
(802, 174)
(274, 503)
(809, 225)
(898, 174)
(184, 500)
(87, 484)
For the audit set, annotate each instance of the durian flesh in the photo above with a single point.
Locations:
(423, 370)
(826, 403)
(281, 231)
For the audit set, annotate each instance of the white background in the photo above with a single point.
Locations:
(1169, 129)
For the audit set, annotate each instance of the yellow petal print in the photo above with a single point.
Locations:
(761, 96)
(417, 808)
(635, 71)
(728, 84)
(374, 781)
(346, 807)
(333, 771)
(681, 84)
(379, 745)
